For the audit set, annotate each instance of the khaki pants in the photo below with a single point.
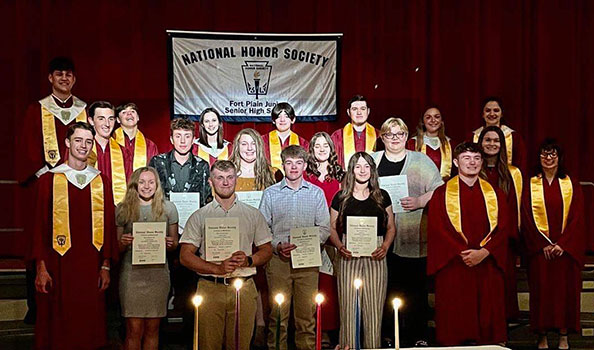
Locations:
(300, 285)
(217, 315)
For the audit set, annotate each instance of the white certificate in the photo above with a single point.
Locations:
(252, 198)
(148, 246)
(307, 253)
(221, 238)
(361, 235)
(186, 203)
(327, 266)
(397, 188)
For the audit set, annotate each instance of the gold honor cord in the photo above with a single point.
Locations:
(50, 138)
(445, 168)
(61, 239)
(276, 149)
(539, 209)
(509, 140)
(224, 155)
(118, 172)
(452, 199)
(348, 141)
(139, 147)
(516, 176)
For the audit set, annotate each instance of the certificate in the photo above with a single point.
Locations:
(252, 198)
(221, 238)
(307, 253)
(148, 246)
(397, 188)
(361, 235)
(327, 266)
(186, 203)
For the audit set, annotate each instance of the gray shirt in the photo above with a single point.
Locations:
(285, 208)
(181, 174)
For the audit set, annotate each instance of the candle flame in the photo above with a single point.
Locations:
(397, 302)
(358, 283)
(197, 300)
(238, 283)
(279, 298)
(319, 298)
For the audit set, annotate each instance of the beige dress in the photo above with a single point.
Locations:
(144, 288)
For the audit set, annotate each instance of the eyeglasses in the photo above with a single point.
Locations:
(399, 134)
(549, 155)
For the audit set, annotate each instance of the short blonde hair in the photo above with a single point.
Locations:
(391, 122)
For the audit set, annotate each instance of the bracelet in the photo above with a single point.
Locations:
(106, 268)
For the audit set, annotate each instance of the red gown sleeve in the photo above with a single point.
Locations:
(573, 239)
(110, 243)
(151, 150)
(265, 141)
(43, 219)
(338, 146)
(498, 244)
(411, 144)
(304, 143)
(519, 156)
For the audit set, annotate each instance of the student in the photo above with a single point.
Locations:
(211, 146)
(140, 148)
(283, 118)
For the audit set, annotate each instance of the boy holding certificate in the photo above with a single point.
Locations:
(290, 204)
(223, 232)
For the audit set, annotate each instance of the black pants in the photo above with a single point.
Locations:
(407, 280)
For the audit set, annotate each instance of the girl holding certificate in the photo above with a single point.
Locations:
(362, 198)
(144, 288)
(553, 231)
(211, 146)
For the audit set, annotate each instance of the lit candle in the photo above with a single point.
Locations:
(279, 298)
(397, 303)
(237, 284)
(319, 301)
(196, 300)
(357, 284)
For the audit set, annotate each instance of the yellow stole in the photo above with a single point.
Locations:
(516, 176)
(50, 138)
(348, 141)
(445, 168)
(139, 147)
(539, 209)
(276, 148)
(61, 239)
(224, 155)
(509, 140)
(118, 172)
(452, 202)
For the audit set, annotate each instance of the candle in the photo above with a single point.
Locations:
(319, 301)
(279, 298)
(397, 303)
(237, 284)
(357, 284)
(196, 300)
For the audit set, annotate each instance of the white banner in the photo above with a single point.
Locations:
(244, 76)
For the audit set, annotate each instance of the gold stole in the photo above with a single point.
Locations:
(348, 141)
(446, 158)
(539, 209)
(509, 140)
(118, 172)
(61, 239)
(452, 202)
(224, 155)
(276, 148)
(139, 147)
(516, 176)
(50, 138)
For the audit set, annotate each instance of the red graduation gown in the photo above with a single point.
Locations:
(512, 311)
(104, 161)
(469, 301)
(72, 314)
(151, 151)
(555, 285)
(266, 139)
(211, 159)
(360, 141)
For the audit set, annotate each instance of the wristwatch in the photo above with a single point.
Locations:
(250, 261)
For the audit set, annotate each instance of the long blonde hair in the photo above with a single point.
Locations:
(129, 208)
(421, 130)
(264, 176)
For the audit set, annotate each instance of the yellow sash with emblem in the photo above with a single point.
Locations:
(276, 148)
(139, 147)
(51, 150)
(118, 172)
(445, 168)
(509, 140)
(224, 155)
(348, 141)
(539, 209)
(61, 239)
(452, 202)
(516, 176)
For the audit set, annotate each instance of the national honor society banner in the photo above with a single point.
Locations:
(244, 76)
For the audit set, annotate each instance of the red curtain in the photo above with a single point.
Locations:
(401, 55)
